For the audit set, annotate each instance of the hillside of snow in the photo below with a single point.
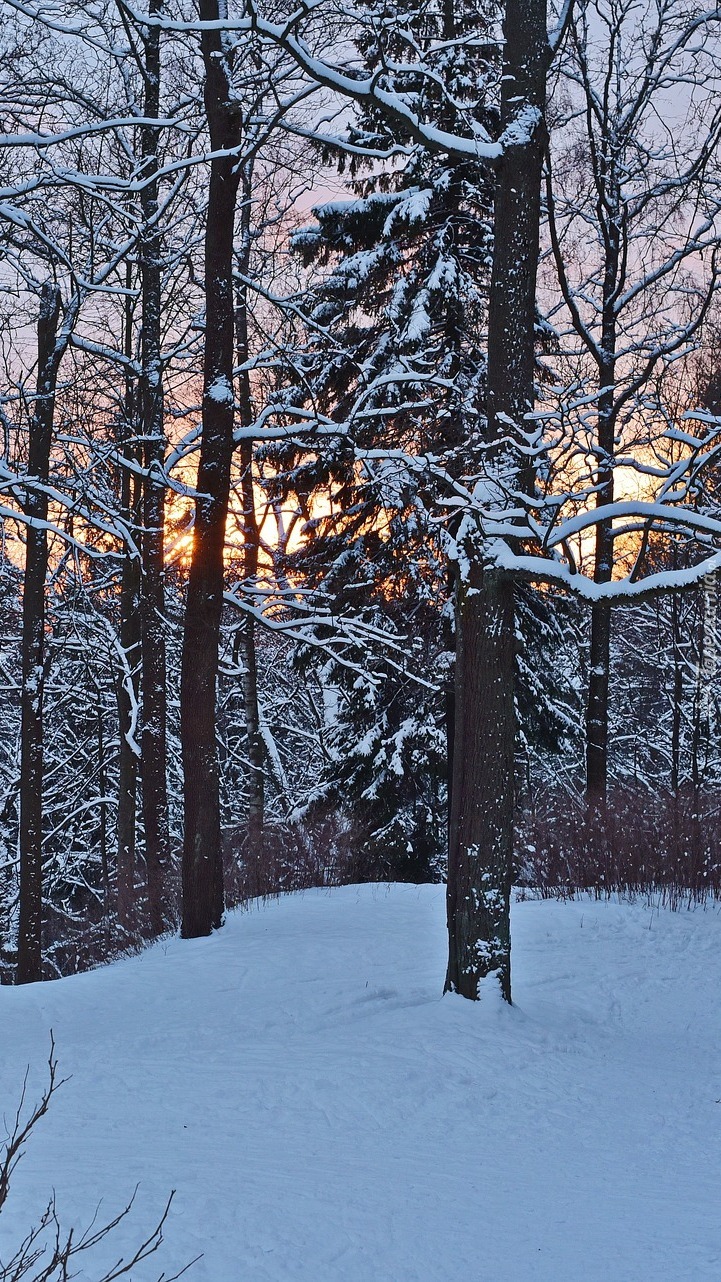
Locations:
(324, 1115)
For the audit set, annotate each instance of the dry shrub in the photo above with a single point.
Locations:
(48, 1252)
(666, 846)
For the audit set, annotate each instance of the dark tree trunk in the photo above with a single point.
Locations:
(481, 825)
(606, 176)
(251, 539)
(103, 786)
(597, 707)
(33, 642)
(600, 649)
(152, 611)
(480, 857)
(696, 739)
(256, 755)
(449, 707)
(203, 896)
(677, 708)
(128, 758)
(130, 641)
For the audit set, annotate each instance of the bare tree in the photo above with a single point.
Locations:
(152, 431)
(246, 635)
(50, 351)
(480, 860)
(633, 204)
(128, 683)
(245, 100)
(203, 899)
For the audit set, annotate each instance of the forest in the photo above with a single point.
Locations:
(360, 495)
(279, 406)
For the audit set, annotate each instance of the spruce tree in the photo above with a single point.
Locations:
(395, 355)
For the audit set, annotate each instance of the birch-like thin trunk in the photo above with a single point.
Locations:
(203, 894)
(33, 643)
(480, 857)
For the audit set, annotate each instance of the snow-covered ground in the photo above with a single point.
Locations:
(325, 1115)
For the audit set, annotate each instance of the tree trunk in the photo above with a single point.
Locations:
(606, 163)
(203, 896)
(251, 539)
(481, 825)
(480, 857)
(33, 643)
(130, 641)
(152, 611)
(128, 757)
(103, 808)
(600, 650)
(256, 755)
(678, 692)
(597, 707)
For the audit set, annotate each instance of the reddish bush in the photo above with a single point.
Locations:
(637, 844)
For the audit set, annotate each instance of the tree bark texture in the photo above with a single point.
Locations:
(128, 699)
(152, 599)
(203, 896)
(251, 540)
(480, 856)
(600, 648)
(128, 688)
(678, 693)
(481, 822)
(29, 967)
